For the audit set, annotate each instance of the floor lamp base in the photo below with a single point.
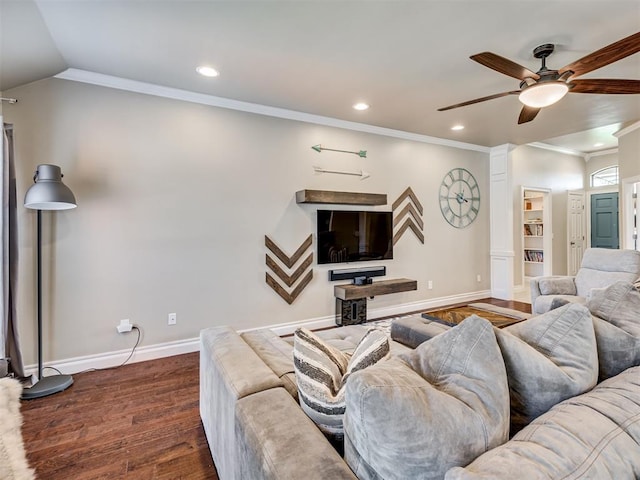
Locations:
(47, 386)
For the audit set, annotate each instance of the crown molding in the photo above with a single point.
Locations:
(628, 129)
(554, 148)
(119, 83)
(589, 156)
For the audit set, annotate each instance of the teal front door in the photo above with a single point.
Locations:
(604, 220)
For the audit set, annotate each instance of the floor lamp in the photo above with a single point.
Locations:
(47, 193)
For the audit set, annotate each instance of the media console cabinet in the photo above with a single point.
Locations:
(351, 300)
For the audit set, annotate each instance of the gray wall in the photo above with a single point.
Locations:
(174, 200)
(536, 167)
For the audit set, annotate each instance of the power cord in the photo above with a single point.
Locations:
(133, 327)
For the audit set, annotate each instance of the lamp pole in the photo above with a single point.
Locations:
(39, 287)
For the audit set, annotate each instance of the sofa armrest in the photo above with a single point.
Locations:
(229, 370)
(553, 285)
(277, 441)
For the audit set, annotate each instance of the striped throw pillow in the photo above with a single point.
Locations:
(322, 372)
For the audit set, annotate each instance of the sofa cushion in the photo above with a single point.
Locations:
(322, 372)
(593, 436)
(548, 358)
(617, 325)
(423, 412)
(557, 286)
(276, 353)
(276, 440)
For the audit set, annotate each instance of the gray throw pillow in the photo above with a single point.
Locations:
(618, 304)
(557, 286)
(436, 407)
(549, 358)
(617, 325)
(322, 372)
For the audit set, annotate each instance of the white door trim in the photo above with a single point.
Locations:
(626, 212)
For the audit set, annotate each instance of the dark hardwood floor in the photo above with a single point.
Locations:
(140, 421)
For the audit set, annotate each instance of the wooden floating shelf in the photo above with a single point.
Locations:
(341, 198)
(383, 287)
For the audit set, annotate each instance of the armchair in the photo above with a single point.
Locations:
(600, 268)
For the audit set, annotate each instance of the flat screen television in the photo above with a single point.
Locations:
(354, 236)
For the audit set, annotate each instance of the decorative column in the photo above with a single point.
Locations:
(501, 221)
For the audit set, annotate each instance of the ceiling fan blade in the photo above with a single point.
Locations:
(503, 65)
(606, 55)
(527, 114)
(605, 86)
(478, 100)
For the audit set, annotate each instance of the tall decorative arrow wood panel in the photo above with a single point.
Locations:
(289, 279)
(409, 217)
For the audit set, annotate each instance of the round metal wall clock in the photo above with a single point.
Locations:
(459, 197)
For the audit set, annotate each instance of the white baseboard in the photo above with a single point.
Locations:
(179, 347)
(330, 321)
(113, 359)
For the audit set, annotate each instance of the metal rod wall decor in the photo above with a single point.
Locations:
(362, 174)
(319, 148)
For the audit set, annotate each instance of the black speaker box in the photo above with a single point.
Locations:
(352, 273)
(351, 312)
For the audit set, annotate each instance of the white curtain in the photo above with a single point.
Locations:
(10, 356)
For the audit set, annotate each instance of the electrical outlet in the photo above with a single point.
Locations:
(124, 326)
(172, 318)
(430, 284)
(478, 278)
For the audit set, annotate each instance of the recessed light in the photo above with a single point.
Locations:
(361, 106)
(457, 127)
(599, 144)
(207, 71)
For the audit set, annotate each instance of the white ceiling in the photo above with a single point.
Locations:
(405, 58)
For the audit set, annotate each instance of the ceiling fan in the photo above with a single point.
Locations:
(546, 87)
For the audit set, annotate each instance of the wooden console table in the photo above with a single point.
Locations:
(351, 300)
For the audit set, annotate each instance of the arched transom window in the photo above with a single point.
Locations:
(605, 176)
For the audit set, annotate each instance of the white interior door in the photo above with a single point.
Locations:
(575, 231)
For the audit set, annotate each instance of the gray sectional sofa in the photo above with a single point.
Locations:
(533, 400)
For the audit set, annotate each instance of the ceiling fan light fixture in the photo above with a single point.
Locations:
(543, 94)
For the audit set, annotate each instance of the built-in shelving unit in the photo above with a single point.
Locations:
(344, 198)
(536, 232)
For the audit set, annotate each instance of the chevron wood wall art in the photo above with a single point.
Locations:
(409, 217)
(289, 279)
